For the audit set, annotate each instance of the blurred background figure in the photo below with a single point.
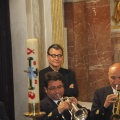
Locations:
(55, 59)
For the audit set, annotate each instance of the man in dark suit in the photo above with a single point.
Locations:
(54, 88)
(3, 115)
(55, 59)
(104, 98)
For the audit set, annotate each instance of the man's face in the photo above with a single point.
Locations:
(114, 77)
(55, 57)
(55, 88)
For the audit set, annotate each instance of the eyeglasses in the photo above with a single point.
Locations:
(54, 88)
(114, 77)
(54, 55)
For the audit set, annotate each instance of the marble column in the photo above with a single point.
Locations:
(89, 44)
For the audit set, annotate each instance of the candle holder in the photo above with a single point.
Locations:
(34, 111)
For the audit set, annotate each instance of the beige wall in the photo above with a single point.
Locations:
(18, 23)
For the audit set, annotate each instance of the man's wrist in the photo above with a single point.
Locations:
(105, 108)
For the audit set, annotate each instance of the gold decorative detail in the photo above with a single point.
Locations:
(102, 113)
(34, 111)
(116, 16)
(115, 27)
(50, 114)
(34, 108)
(97, 112)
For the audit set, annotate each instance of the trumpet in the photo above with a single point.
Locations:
(76, 113)
(116, 106)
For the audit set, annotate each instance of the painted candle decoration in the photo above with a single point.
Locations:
(33, 77)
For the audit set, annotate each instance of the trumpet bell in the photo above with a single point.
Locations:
(81, 114)
(76, 113)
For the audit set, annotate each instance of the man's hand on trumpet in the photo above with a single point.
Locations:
(112, 98)
(74, 100)
(64, 105)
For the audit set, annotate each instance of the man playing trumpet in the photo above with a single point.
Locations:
(106, 98)
(54, 88)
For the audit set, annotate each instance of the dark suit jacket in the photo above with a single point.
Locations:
(98, 112)
(50, 107)
(3, 115)
(68, 78)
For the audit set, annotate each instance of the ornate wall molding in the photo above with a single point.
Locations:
(73, 0)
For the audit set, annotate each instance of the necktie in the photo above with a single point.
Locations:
(58, 102)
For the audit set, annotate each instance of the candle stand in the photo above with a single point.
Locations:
(34, 111)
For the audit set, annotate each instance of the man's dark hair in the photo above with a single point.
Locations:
(55, 46)
(52, 75)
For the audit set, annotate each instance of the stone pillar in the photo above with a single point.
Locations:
(75, 21)
(89, 44)
(99, 43)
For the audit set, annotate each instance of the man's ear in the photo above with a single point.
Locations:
(47, 56)
(45, 89)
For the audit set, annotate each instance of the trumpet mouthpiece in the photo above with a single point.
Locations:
(58, 95)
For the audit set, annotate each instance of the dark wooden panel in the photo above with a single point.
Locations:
(6, 70)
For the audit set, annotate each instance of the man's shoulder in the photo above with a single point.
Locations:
(103, 89)
(45, 101)
(65, 69)
(47, 69)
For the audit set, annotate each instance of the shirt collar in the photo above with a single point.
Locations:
(114, 91)
(56, 101)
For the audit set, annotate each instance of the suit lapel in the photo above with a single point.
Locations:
(51, 103)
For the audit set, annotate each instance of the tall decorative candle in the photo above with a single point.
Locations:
(33, 77)
(33, 80)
